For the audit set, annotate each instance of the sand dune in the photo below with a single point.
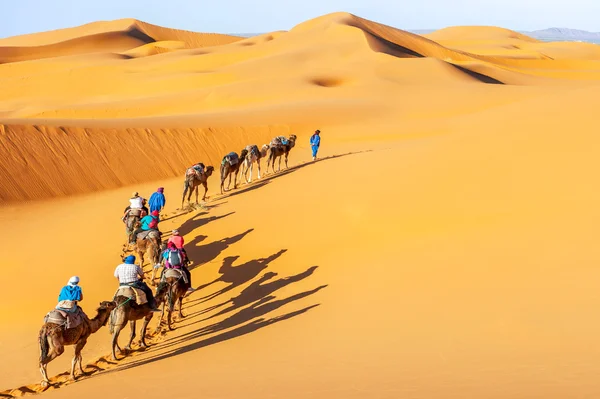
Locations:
(102, 37)
(442, 247)
(328, 61)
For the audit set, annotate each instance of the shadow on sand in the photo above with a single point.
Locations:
(274, 175)
(201, 254)
(247, 314)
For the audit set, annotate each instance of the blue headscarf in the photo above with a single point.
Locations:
(130, 260)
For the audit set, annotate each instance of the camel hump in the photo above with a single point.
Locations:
(132, 293)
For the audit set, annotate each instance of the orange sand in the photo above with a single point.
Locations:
(451, 220)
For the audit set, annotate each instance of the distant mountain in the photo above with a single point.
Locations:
(547, 35)
(564, 34)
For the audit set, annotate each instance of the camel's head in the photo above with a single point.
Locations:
(209, 170)
(107, 305)
(265, 147)
(292, 137)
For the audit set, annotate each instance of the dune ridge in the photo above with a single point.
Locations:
(45, 161)
(102, 37)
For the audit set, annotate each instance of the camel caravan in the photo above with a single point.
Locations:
(133, 300)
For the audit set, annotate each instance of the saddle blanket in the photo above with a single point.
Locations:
(279, 140)
(133, 293)
(174, 273)
(232, 158)
(253, 149)
(147, 234)
(69, 319)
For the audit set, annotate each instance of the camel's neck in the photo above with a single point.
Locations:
(97, 322)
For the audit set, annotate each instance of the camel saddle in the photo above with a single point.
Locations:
(134, 212)
(253, 149)
(279, 141)
(194, 171)
(133, 293)
(232, 158)
(66, 317)
(174, 273)
(147, 234)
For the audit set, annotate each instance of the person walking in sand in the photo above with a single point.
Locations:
(315, 142)
(157, 200)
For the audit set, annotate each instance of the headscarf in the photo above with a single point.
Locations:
(155, 213)
(161, 189)
(130, 260)
(73, 281)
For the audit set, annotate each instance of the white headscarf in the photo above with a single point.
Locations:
(73, 281)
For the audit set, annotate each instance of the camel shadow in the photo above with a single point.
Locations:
(274, 175)
(201, 254)
(243, 322)
(237, 275)
(259, 289)
(199, 221)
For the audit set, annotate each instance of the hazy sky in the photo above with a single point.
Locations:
(256, 16)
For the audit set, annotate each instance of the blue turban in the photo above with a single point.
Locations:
(130, 260)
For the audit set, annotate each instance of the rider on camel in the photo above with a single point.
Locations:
(175, 258)
(149, 222)
(70, 295)
(130, 274)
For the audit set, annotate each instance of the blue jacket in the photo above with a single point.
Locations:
(70, 293)
(146, 221)
(315, 140)
(157, 201)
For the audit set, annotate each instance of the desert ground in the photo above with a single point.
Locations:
(442, 246)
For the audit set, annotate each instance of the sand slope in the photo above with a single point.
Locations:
(326, 66)
(442, 248)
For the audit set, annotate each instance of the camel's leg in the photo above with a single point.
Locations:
(45, 380)
(132, 336)
(80, 365)
(286, 159)
(77, 358)
(169, 315)
(56, 348)
(279, 165)
(144, 327)
(180, 306)
(205, 190)
(229, 181)
(114, 345)
(196, 190)
(235, 178)
(161, 318)
(185, 190)
(258, 165)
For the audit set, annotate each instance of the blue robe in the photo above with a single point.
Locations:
(70, 293)
(157, 202)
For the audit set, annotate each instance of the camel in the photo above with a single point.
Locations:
(276, 151)
(192, 182)
(150, 245)
(54, 337)
(176, 288)
(227, 169)
(254, 155)
(127, 310)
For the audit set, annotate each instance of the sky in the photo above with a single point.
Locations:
(259, 16)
